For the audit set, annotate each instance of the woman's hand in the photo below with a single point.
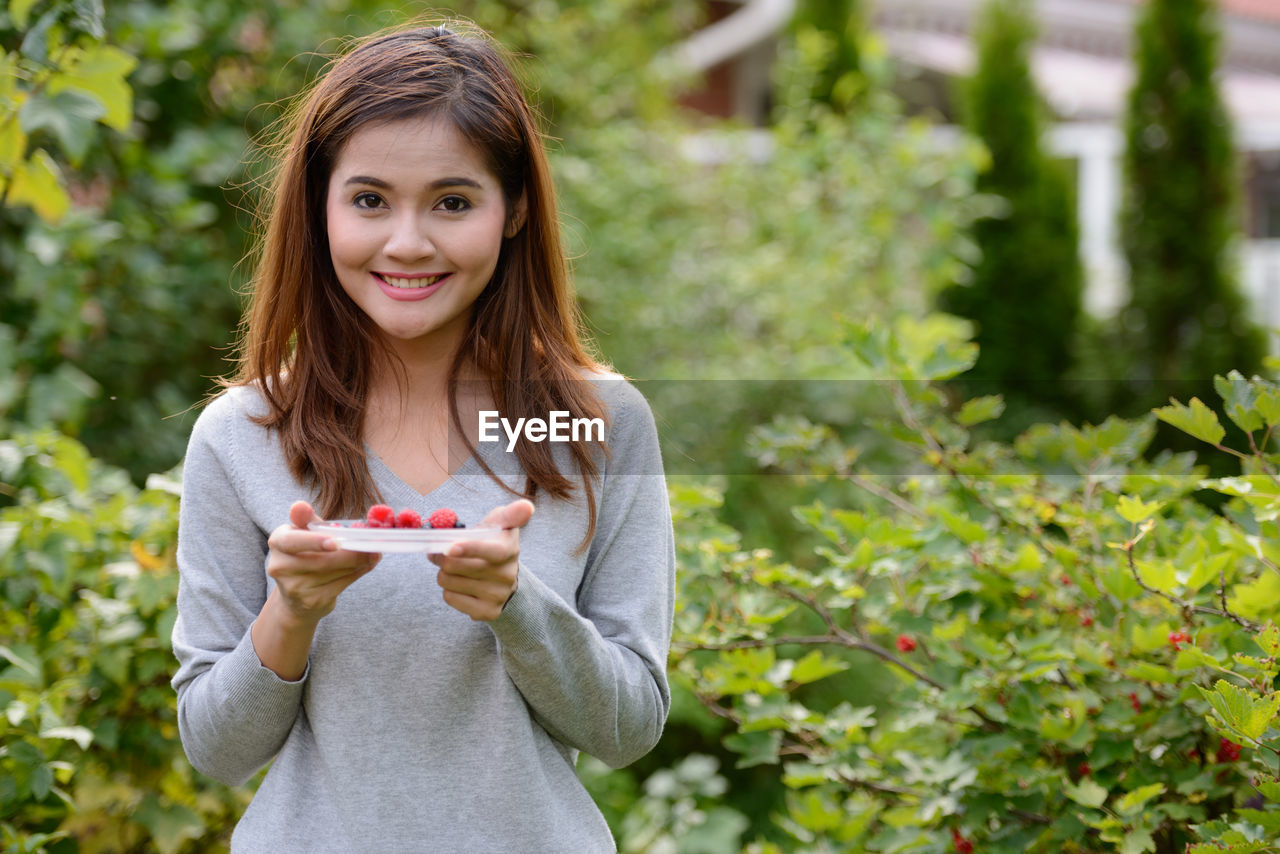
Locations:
(308, 567)
(479, 576)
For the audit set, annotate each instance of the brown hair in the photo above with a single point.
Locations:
(310, 350)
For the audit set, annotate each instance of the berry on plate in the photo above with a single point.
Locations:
(443, 518)
(407, 518)
(381, 516)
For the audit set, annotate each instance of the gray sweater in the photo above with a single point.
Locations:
(415, 729)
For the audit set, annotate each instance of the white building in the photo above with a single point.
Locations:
(1082, 65)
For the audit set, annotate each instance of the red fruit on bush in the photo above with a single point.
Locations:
(407, 518)
(1134, 701)
(906, 643)
(1228, 751)
(1084, 769)
(964, 846)
(443, 518)
(1178, 638)
(381, 516)
(1086, 620)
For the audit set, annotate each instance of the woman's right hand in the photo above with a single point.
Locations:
(309, 569)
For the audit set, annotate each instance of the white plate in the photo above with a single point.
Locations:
(398, 540)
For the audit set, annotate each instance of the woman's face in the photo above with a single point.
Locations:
(415, 223)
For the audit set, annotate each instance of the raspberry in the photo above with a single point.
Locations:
(381, 516)
(443, 518)
(407, 518)
(906, 643)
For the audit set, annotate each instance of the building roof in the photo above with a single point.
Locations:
(1082, 62)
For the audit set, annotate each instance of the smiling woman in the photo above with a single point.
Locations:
(429, 233)
(412, 269)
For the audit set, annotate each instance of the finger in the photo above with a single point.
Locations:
(316, 569)
(301, 514)
(291, 540)
(513, 515)
(492, 551)
(476, 609)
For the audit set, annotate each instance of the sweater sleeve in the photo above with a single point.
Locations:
(233, 713)
(594, 672)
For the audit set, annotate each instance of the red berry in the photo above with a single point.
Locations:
(1178, 638)
(962, 845)
(906, 643)
(1133, 701)
(407, 518)
(1228, 751)
(1086, 620)
(443, 518)
(381, 516)
(1083, 769)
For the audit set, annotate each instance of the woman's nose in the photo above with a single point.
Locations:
(409, 239)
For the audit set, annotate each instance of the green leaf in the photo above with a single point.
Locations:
(1145, 671)
(1240, 711)
(756, 748)
(1086, 793)
(1158, 574)
(20, 12)
(1197, 420)
(100, 72)
(815, 666)
(1207, 570)
(38, 184)
(1269, 787)
(1133, 801)
(1268, 640)
(1137, 842)
(1240, 400)
(1268, 821)
(967, 530)
(1135, 510)
(980, 409)
(70, 116)
(170, 825)
(80, 735)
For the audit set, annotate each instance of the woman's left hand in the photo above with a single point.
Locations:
(479, 576)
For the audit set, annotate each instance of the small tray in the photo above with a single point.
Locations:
(399, 540)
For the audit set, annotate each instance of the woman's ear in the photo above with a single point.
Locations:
(516, 218)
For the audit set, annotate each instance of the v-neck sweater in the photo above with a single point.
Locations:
(414, 728)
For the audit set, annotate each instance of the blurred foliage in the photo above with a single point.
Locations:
(1025, 294)
(1180, 223)
(725, 270)
(1059, 615)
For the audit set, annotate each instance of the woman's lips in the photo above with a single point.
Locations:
(410, 288)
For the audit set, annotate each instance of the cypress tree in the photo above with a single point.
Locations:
(1186, 319)
(1026, 289)
(840, 23)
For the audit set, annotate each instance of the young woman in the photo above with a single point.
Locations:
(411, 276)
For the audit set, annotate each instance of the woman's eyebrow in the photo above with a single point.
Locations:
(438, 184)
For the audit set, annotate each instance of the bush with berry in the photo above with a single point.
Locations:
(1081, 651)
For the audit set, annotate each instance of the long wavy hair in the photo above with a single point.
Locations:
(310, 350)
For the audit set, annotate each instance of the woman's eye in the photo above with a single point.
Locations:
(454, 204)
(368, 201)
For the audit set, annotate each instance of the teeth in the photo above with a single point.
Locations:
(399, 282)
